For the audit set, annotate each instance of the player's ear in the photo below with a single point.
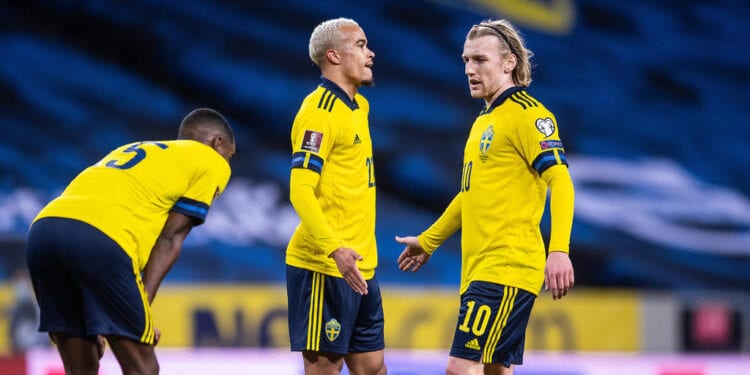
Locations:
(216, 142)
(510, 63)
(333, 57)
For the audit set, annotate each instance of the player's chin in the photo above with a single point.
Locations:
(476, 94)
(368, 82)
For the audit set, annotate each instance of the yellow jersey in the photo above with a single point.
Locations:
(503, 194)
(129, 193)
(332, 153)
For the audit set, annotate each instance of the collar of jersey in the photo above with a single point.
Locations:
(501, 99)
(339, 92)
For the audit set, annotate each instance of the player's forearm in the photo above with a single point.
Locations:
(163, 256)
(562, 197)
(444, 227)
(302, 197)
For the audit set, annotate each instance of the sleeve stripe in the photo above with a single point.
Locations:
(298, 159)
(314, 162)
(192, 208)
(547, 159)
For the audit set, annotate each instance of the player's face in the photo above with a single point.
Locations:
(357, 58)
(484, 67)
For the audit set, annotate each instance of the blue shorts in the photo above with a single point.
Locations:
(85, 284)
(492, 324)
(326, 315)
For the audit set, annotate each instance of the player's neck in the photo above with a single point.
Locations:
(349, 88)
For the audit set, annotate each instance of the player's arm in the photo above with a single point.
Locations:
(166, 250)
(419, 249)
(302, 185)
(558, 274)
(444, 227)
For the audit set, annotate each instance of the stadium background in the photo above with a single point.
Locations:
(651, 99)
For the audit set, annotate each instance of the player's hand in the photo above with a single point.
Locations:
(346, 261)
(157, 336)
(413, 256)
(558, 274)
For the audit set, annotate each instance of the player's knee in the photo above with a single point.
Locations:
(463, 367)
(452, 370)
(141, 368)
(368, 370)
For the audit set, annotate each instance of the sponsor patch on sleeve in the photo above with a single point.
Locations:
(312, 141)
(550, 144)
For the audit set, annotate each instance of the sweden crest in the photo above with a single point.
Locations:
(333, 328)
(484, 143)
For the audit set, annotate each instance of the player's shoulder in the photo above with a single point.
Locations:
(526, 103)
(320, 101)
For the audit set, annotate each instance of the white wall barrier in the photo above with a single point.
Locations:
(283, 362)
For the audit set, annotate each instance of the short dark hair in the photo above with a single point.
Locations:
(204, 119)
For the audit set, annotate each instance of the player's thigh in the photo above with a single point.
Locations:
(462, 366)
(497, 369)
(367, 363)
(133, 356)
(77, 352)
(322, 363)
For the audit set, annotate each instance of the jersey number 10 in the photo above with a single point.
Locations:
(466, 177)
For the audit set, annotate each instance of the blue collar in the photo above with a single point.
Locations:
(339, 92)
(500, 99)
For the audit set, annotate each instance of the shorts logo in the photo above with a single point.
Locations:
(545, 126)
(312, 140)
(473, 344)
(333, 328)
(550, 144)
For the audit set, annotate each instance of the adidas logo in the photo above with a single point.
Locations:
(357, 140)
(473, 344)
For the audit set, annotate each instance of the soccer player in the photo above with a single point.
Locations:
(98, 252)
(513, 156)
(335, 307)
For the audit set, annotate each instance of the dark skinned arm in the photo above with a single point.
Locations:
(165, 252)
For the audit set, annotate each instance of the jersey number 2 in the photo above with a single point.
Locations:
(370, 172)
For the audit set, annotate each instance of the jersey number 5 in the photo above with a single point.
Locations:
(140, 154)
